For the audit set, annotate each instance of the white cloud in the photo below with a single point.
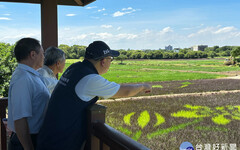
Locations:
(95, 17)
(106, 26)
(119, 28)
(70, 15)
(203, 31)
(118, 13)
(126, 36)
(5, 18)
(99, 10)
(206, 30)
(11, 35)
(215, 35)
(129, 8)
(80, 37)
(147, 31)
(192, 28)
(237, 34)
(214, 30)
(7, 14)
(124, 11)
(225, 30)
(166, 30)
(91, 7)
(66, 29)
(2, 6)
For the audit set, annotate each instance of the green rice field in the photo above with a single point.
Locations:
(135, 71)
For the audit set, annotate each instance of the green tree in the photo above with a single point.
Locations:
(144, 55)
(212, 54)
(166, 55)
(136, 54)
(158, 54)
(66, 50)
(121, 57)
(8, 64)
(235, 52)
(180, 55)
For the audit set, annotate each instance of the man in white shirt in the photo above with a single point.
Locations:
(65, 125)
(54, 63)
(27, 97)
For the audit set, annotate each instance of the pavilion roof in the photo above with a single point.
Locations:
(59, 2)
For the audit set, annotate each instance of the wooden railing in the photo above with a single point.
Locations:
(104, 137)
(3, 135)
(101, 136)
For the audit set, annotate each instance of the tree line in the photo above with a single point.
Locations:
(77, 51)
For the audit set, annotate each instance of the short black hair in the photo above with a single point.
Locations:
(24, 46)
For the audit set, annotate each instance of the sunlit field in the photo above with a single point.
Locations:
(163, 123)
(134, 71)
(191, 100)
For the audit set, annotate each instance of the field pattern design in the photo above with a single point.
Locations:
(167, 122)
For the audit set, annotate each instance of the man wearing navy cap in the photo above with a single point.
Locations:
(65, 124)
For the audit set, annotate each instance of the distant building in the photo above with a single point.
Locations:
(169, 47)
(199, 47)
(176, 50)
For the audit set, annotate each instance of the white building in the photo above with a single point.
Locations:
(199, 47)
(176, 50)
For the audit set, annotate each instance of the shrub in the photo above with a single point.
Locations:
(8, 65)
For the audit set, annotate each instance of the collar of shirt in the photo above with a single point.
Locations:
(28, 68)
(50, 72)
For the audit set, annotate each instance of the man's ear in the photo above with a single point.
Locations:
(32, 54)
(102, 62)
(58, 63)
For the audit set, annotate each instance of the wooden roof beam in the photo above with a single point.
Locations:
(59, 2)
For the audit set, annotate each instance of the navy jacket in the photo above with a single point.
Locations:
(65, 123)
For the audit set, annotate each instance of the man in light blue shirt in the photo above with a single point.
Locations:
(28, 96)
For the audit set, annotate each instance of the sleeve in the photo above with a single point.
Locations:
(21, 99)
(95, 85)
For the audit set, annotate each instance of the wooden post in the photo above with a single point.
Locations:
(49, 24)
(3, 135)
(95, 113)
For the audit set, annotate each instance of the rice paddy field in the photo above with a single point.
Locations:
(135, 71)
(191, 100)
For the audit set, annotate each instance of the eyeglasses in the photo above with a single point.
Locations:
(112, 58)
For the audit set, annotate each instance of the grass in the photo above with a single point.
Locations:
(157, 86)
(163, 70)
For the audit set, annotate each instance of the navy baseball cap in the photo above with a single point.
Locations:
(98, 50)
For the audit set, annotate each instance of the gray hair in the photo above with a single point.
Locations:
(53, 55)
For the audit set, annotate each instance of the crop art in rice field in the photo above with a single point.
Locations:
(219, 115)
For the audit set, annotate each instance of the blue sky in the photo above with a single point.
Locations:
(134, 24)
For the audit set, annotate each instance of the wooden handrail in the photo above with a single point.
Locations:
(100, 135)
(104, 137)
(3, 135)
(115, 139)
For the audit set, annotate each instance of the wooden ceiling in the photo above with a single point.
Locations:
(59, 2)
